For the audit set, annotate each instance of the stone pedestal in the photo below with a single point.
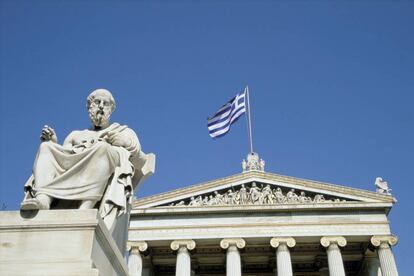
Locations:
(58, 242)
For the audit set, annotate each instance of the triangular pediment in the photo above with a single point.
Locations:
(260, 188)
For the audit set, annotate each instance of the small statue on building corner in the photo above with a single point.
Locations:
(382, 186)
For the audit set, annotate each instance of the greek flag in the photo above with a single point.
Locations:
(219, 124)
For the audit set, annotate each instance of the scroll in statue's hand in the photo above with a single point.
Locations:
(48, 134)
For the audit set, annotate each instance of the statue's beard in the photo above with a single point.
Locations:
(99, 117)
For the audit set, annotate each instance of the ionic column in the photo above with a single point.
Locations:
(135, 258)
(335, 262)
(183, 264)
(233, 261)
(386, 258)
(284, 263)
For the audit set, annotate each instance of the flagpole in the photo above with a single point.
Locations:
(249, 121)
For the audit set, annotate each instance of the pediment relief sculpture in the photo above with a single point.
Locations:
(256, 194)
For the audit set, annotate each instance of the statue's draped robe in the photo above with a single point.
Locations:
(86, 167)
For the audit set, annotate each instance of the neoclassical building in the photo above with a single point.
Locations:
(260, 223)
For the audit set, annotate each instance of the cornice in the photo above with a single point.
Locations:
(342, 206)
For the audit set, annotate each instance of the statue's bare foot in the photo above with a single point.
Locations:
(30, 204)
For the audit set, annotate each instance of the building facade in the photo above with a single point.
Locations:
(260, 223)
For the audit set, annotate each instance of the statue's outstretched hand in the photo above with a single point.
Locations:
(48, 134)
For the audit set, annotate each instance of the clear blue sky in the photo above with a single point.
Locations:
(332, 86)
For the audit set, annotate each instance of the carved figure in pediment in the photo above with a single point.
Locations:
(205, 200)
(303, 198)
(319, 198)
(218, 198)
(292, 196)
(254, 194)
(244, 197)
(267, 195)
(226, 198)
(232, 197)
(210, 200)
(280, 198)
(199, 201)
(195, 201)
(181, 203)
(192, 201)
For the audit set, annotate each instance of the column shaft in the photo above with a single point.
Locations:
(335, 263)
(135, 263)
(387, 261)
(183, 266)
(284, 263)
(233, 261)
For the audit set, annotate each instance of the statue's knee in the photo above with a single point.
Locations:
(45, 145)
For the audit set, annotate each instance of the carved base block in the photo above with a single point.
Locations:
(57, 242)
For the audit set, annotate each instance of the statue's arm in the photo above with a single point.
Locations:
(133, 145)
(68, 143)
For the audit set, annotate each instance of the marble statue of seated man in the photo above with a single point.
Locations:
(94, 168)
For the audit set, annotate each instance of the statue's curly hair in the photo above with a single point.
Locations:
(91, 97)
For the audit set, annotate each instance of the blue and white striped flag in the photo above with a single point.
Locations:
(219, 124)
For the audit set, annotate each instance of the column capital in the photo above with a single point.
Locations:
(226, 243)
(328, 240)
(289, 241)
(388, 240)
(177, 244)
(136, 246)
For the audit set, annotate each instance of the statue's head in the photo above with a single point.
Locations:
(100, 104)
